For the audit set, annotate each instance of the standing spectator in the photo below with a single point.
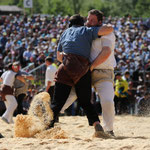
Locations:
(121, 93)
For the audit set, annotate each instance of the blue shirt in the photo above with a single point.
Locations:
(78, 40)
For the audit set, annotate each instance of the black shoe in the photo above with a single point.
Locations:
(51, 125)
(111, 133)
(98, 127)
(57, 119)
(99, 132)
(1, 136)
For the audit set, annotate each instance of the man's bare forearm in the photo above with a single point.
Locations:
(21, 78)
(102, 57)
(105, 30)
(28, 77)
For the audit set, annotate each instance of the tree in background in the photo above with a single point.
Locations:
(37, 6)
(142, 8)
(136, 8)
(56, 7)
(13, 2)
(65, 7)
(76, 5)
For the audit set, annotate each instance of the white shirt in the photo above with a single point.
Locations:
(8, 78)
(50, 73)
(98, 44)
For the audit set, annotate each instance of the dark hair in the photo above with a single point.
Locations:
(97, 13)
(76, 20)
(127, 73)
(9, 66)
(48, 58)
(118, 74)
(146, 93)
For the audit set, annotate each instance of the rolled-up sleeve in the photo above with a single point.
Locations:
(106, 42)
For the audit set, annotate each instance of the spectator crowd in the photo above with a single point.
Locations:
(30, 40)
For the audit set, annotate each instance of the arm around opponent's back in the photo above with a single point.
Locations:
(102, 57)
(105, 29)
(107, 43)
(28, 77)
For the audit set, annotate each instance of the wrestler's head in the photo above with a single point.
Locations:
(76, 20)
(95, 18)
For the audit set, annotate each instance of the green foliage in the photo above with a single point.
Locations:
(4, 2)
(56, 7)
(100, 5)
(143, 8)
(76, 5)
(14, 2)
(121, 8)
(37, 6)
(136, 8)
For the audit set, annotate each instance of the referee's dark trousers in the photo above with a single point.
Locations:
(51, 92)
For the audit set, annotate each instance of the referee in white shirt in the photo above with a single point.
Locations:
(49, 76)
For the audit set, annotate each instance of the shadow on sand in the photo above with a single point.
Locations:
(125, 137)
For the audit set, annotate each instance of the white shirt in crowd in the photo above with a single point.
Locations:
(50, 73)
(107, 40)
(8, 77)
